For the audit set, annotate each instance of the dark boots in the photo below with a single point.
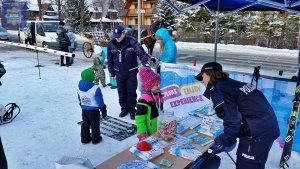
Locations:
(123, 113)
(132, 116)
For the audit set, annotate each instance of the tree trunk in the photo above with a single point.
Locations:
(81, 14)
(283, 29)
(59, 9)
(40, 9)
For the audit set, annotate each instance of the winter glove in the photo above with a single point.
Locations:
(103, 111)
(153, 62)
(142, 137)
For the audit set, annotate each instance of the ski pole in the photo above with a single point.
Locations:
(231, 158)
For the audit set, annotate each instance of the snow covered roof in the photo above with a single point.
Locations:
(32, 7)
(118, 20)
(100, 20)
(55, 8)
(93, 9)
(50, 17)
(112, 10)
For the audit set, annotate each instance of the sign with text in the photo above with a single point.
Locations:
(13, 14)
(142, 11)
(182, 92)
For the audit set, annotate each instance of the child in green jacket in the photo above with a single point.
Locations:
(98, 64)
(147, 108)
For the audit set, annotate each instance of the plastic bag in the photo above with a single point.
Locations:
(73, 163)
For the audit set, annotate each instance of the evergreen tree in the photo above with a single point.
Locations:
(166, 14)
(74, 13)
(196, 25)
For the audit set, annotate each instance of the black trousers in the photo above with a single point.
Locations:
(127, 93)
(252, 153)
(90, 119)
(64, 47)
(28, 40)
(3, 162)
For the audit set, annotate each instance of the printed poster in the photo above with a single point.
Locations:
(13, 14)
(182, 93)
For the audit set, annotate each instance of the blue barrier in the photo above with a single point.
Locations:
(280, 94)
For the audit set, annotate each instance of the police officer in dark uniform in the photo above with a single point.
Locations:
(246, 115)
(122, 54)
(64, 43)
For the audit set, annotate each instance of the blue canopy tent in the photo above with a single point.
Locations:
(229, 7)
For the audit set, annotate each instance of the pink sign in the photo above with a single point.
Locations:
(171, 92)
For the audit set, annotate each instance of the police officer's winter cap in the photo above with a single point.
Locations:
(61, 23)
(88, 75)
(209, 66)
(118, 30)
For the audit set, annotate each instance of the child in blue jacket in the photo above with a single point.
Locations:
(90, 100)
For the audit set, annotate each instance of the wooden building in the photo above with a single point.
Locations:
(130, 13)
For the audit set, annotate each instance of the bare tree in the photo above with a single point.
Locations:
(59, 9)
(101, 5)
(40, 8)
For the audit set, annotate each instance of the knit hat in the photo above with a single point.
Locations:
(88, 75)
(149, 78)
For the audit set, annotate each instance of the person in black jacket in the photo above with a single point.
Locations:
(3, 162)
(246, 115)
(64, 43)
(122, 54)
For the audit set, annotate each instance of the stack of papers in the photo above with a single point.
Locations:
(157, 149)
(179, 139)
(138, 164)
(199, 139)
(188, 151)
(201, 111)
(189, 122)
(211, 126)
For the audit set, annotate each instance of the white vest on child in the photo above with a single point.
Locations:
(87, 98)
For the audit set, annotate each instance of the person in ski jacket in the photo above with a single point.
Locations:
(246, 115)
(91, 100)
(98, 64)
(168, 48)
(64, 42)
(72, 38)
(98, 68)
(147, 106)
(122, 54)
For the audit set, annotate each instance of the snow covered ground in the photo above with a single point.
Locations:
(47, 129)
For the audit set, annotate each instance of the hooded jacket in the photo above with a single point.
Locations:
(62, 37)
(245, 112)
(90, 96)
(146, 116)
(169, 51)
